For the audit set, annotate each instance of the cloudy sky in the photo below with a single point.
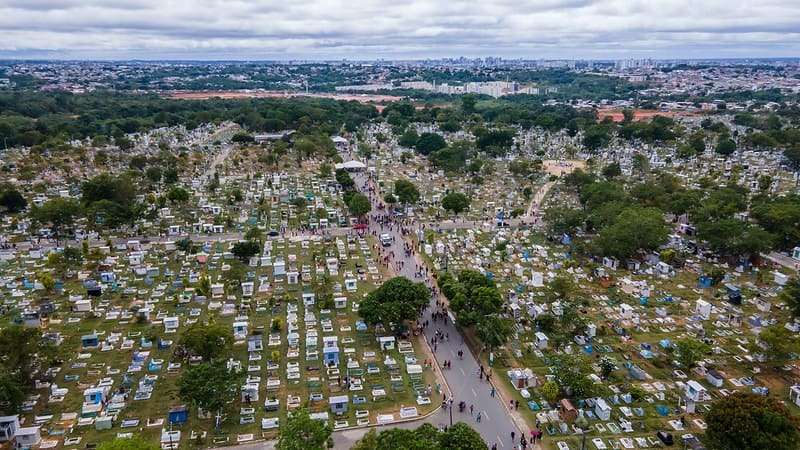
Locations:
(368, 29)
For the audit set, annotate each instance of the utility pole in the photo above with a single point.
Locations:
(451, 412)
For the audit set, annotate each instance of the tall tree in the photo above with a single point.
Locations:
(358, 204)
(455, 202)
(208, 341)
(210, 386)
(23, 355)
(406, 192)
(395, 301)
(493, 331)
(11, 200)
(472, 296)
(777, 345)
(58, 213)
(301, 432)
(689, 351)
(635, 229)
(462, 437)
(428, 143)
(791, 296)
(744, 421)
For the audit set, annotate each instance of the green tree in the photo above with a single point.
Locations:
(23, 355)
(791, 296)
(131, 443)
(472, 296)
(697, 142)
(792, 156)
(627, 115)
(325, 170)
(733, 237)
(455, 202)
(204, 286)
(744, 421)
(495, 142)
(635, 229)
(244, 250)
(243, 137)
(550, 391)
(395, 301)
(59, 213)
(47, 280)
(11, 200)
(780, 217)
(359, 205)
(406, 192)
(612, 171)
(596, 136)
(689, 351)
(344, 179)
(254, 234)
(606, 367)
(12, 392)
(572, 372)
(725, 146)
(153, 174)
(299, 202)
(562, 220)
(208, 341)
(409, 138)
(493, 331)
(777, 345)
(428, 143)
(178, 195)
(210, 386)
(301, 432)
(462, 437)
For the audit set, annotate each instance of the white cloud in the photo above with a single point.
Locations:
(236, 29)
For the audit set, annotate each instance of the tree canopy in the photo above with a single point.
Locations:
(209, 385)
(395, 301)
(406, 192)
(359, 205)
(455, 202)
(245, 250)
(301, 432)
(473, 296)
(208, 341)
(460, 436)
(745, 421)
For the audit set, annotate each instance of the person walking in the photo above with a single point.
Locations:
(492, 391)
(478, 417)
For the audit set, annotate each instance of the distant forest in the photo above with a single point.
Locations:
(34, 118)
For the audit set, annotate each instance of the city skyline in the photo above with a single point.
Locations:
(376, 29)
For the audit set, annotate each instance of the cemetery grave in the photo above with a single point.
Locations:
(293, 312)
(630, 315)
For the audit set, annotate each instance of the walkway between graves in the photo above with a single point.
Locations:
(496, 421)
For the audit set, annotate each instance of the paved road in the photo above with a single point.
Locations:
(463, 380)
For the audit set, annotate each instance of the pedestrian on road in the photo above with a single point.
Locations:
(470, 409)
(478, 417)
(492, 392)
(513, 434)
